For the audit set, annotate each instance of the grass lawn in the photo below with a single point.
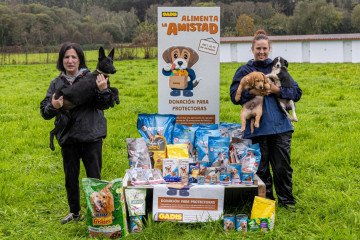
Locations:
(325, 154)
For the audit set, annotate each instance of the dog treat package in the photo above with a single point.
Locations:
(153, 176)
(106, 213)
(207, 126)
(258, 224)
(157, 147)
(231, 130)
(138, 154)
(185, 135)
(237, 149)
(194, 172)
(201, 142)
(177, 151)
(184, 168)
(170, 169)
(136, 176)
(250, 160)
(264, 208)
(219, 152)
(150, 125)
(135, 200)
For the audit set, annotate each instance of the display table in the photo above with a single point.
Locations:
(235, 195)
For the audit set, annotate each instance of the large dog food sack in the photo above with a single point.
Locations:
(264, 208)
(106, 213)
(150, 125)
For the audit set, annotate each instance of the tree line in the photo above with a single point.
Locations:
(51, 22)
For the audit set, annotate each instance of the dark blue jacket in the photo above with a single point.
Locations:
(273, 120)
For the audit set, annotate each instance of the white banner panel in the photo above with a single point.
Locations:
(189, 63)
(194, 203)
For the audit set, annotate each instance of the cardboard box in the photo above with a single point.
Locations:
(179, 82)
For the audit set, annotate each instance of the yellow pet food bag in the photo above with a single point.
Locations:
(264, 208)
(178, 151)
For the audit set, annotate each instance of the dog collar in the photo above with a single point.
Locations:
(105, 74)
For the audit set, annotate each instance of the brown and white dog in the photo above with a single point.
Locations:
(253, 108)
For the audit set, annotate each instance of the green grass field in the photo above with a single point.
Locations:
(325, 154)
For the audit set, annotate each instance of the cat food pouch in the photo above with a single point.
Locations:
(264, 208)
(105, 204)
(250, 159)
(218, 152)
(177, 151)
(185, 135)
(153, 176)
(201, 143)
(150, 125)
(157, 148)
(138, 154)
(135, 200)
(136, 176)
(231, 130)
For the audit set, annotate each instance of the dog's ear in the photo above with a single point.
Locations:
(92, 197)
(286, 63)
(167, 54)
(110, 202)
(249, 79)
(101, 53)
(111, 54)
(193, 58)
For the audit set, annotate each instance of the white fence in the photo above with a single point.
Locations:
(333, 48)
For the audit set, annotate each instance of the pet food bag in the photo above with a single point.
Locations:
(250, 159)
(136, 176)
(207, 126)
(201, 142)
(157, 146)
(106, 213)
(237, 149)
(150, 125)
(185, 135)
(218, 152)
(138, 154)
(178, 151)
(231, 130)
(264, 208)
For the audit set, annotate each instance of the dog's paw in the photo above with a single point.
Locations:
(257, 125)
(167, 67)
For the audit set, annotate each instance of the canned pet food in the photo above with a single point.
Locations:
(229, 222)
(247, 178)
(225, 178)
(201, 180)
(241, 222)
(135, 224)
(235, 170)
(213, 180)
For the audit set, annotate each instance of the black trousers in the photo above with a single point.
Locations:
(275, 151)
(91, 155)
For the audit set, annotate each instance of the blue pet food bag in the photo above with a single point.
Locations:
(207, 126)
(201, 143)
(250, 159)
(185, 135)
(150, 125)
(219, 152)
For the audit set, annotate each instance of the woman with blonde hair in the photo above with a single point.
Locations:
(275, 131)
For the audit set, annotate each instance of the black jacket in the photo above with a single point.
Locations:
(86, 122)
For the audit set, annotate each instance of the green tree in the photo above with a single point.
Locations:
(277, 25)
(146, 36)
(245, 26)
(355, 17)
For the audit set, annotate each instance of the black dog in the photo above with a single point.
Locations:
(84, 91)
(281, 78)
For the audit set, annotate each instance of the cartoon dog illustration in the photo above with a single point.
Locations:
(178, 63)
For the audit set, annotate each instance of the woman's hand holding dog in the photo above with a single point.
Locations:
(101, 82)
(57, 103)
